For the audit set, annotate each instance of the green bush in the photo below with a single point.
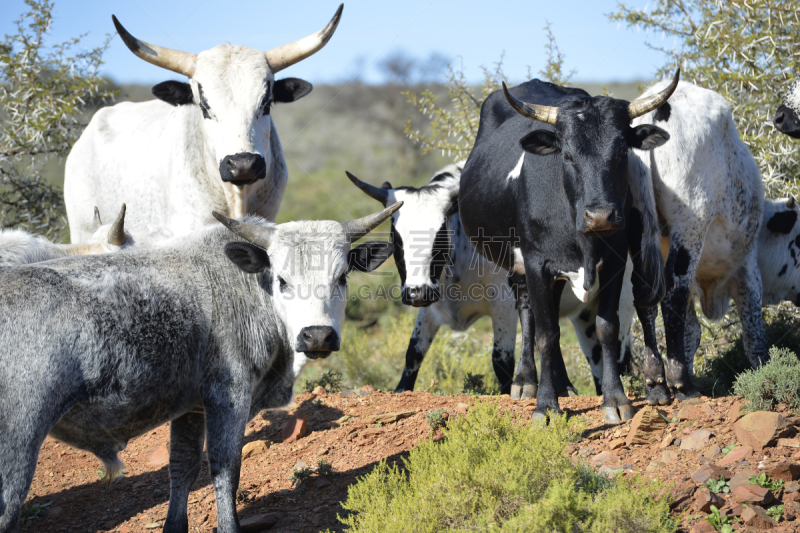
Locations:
(496, 472)
(776, 382)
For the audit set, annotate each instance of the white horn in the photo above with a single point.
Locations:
(287, 55)
(174, 60)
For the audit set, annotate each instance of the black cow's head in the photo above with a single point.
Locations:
(593, 136)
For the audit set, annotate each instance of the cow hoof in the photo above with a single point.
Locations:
(516, 392)
(545, 414)
(658, 395)
(529, 391)
(649, 382)
(660, 381)
(569, 392)
(687, 393)
(610, 414)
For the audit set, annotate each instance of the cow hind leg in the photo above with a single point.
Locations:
(504, 326)
(526, 384)
(425, 330)
(655, 381)
(18, 458)
(563, 385)
(185, 457)
(747, 295)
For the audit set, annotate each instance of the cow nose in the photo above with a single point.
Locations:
(778, 119)
(317, 341)
(420, 296)
(242, 168)
(601, 219)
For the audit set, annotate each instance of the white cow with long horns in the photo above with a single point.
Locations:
(203, 146)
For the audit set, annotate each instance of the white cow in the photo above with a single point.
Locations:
(208, 145)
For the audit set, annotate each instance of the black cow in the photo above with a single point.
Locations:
(563, 204)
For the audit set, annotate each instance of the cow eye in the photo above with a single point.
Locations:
(567, 157)
(266, 104)
(282, 284)
(343, 279)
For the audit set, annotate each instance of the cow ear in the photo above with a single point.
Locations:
(248, 257)
(369, 256)
(647, 137)
(174, 92)
(290, 89)
(386, 185)
(541, 142)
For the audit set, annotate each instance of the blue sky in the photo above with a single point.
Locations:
(370, 30)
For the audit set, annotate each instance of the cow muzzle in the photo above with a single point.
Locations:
(602, 220)
(243, 169)
(786, 121)
(317, 342)
(420, 296)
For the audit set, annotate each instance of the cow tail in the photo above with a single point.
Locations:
(644, 234)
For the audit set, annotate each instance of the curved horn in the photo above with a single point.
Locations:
(116, 234)
(542, 113)
(639, 107)
(287, 55)
(376, 193)
(355, 229)
(174, 60)
(96, 223)
(258, 235)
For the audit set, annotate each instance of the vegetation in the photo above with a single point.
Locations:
(493, 472)
(763, 480)
(331, 381)
(473, 384)
(44, 88)
(776, 382)
(724, 524)
(299, 475)
(718, 485)
(436, 418)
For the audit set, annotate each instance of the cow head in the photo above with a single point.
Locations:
(420, 231)
(787, 117)
(593, 136)
(234, 88)
(106, 237)
(304, 266)
(779, 252)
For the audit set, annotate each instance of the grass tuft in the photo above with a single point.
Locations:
(776, 382)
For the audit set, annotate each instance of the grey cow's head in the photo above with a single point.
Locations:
(787, 117)
(304, 266)
(593, 136)
(420, 233)
(779, 252)
(234, 88)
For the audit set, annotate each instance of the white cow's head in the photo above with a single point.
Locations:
(304, 266)
(420, 233)
(234, 88)
(779, 252)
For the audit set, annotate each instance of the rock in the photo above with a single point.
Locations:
(753, 494)
(710, 471)
(713, 452)
(694, 408)
(735, 411)
(789, 443)
(742, 477)
(601, 458)
(321, 482)
(704, 499)
(666, 441)
(785, 471)
(792, 486)
(761, 429)
(152, 525)
(654, 466)
(157, 493)
(794, 507)
(253, 448)
(735, 455)
(462, 408)
(732, 509)
(702, 526)
(319, 391)
(669, 456)
(791, 497)
(296, 427)
(584, 452)
(755, 516)
(616, 444)
(348, 394)
(158, 456)
(260, 522)
(610, 471)
(681, 495)
(388, 418)
(696, 440)
(646, 427)
(299, 465)
(55, 511)
(343, 419)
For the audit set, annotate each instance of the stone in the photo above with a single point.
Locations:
(610, 471)
(792, 486)
(55, 511)
(299, 465)
(735, 455)
(696, 440)
(785, 471)
(348, 394)
(761, 429)
(710, 471)
(694, 408)
(152, 525)
(789, 443)
(735, 411)
(753, 494)
(296, 427)
(388, 418)
(368, 388)
(253, 448)
(601, 458)
(666, 441)
(462, 408)
(681, 495)
(713, 452)
(732, 509)
(654, 466)
(158, 456)
(794, 507)
(319, 391)
(704, 499)
(702, 526)
(669, 456)
(616, 444)
(742, 477)
(791, 497)
(260, 522)
(321, 482)
(646, 427)
(755, 516)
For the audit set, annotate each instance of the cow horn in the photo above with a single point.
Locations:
(355, 229)
(376, 193)
(258, 235)
(639, 107)
(542, 113)
(96, 223)
(287, 55)
(174, 60)
(116, 234)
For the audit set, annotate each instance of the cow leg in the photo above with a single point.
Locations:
(18, 458)
(526, 384)
(654, 378)
(694, 334)
(586, 332)
(425, 330)
(746, 294)
(185, 455)
(504, 325)
(563, 385)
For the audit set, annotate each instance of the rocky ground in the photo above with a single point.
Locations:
(681, 444)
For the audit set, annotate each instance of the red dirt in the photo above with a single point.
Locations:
(68, 478)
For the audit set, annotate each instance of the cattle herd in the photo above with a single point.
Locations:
(200, 311)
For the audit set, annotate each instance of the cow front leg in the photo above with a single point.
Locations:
(504, 326)
(653, 367)
(185, 455)
(526, 384)
(747, 295)
(694, 334)
(425, 330)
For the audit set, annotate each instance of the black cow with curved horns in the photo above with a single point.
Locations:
(546, 194)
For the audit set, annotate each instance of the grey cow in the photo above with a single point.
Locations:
(203, 331)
